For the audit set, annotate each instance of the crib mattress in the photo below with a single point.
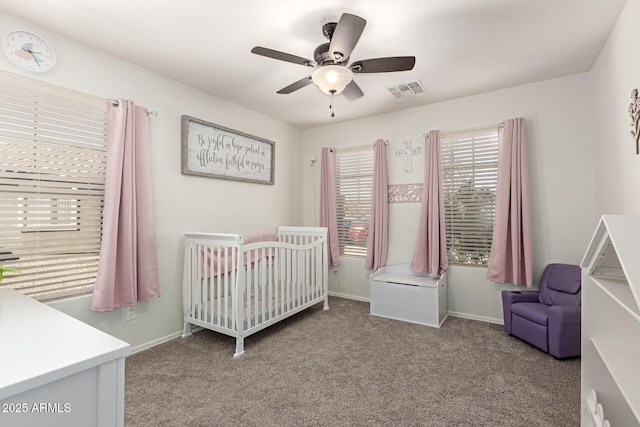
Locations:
(256, 309)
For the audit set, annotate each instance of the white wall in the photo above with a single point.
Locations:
(557, 114)
(615, 73)
(182, 203)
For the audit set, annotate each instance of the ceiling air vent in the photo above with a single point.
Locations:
(406, 89)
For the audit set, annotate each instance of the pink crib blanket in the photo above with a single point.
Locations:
(216, 255)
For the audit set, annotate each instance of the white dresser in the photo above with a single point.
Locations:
(56, 370)
(399, 293)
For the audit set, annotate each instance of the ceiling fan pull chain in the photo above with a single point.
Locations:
(331, 103)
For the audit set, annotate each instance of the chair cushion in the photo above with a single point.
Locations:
(560, 285)
(533, 311)
(564, 278)
(531, 332)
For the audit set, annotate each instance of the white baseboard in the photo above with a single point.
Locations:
(155, 342)
(475, 317)
(347, 296)
(451, 313)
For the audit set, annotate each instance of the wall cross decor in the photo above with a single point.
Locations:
(407, 153)
(634, 113)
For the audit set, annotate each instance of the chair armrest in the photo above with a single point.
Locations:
(564, 314)
(519, 296)
(564, 330)
(511, 297)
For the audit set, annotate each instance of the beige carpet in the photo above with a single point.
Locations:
(343, 367)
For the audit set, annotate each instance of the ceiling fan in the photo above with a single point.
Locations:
(332, 72)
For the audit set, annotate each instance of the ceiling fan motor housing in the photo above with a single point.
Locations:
(321, 54)
(328, 29)
(322, 57)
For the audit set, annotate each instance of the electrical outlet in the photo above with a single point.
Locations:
(129, 313)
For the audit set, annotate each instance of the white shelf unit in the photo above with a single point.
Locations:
(611, 322)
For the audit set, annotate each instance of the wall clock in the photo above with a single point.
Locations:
(29, 51)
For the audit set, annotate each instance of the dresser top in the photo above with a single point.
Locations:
(39, 344)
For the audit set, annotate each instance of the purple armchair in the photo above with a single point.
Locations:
(548, 318)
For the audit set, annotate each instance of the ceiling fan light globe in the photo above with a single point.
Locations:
(332, 78)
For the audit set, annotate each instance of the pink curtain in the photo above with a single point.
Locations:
(128, 265)
(328, 216)
(511, 257)
(430, 254)
(378, 239)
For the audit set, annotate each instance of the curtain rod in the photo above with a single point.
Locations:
(449, 132)
(153, 113)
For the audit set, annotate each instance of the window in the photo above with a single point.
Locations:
(354, 186)
(52, 172)
(469, 175)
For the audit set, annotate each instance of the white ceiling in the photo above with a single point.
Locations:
(462, 47)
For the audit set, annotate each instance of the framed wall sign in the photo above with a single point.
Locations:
(219, 152)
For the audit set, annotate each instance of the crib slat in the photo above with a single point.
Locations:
(239, 289)
(217, 320)
(318, 263)
(259, 288)
(290, 278)
(228, 291)
(305, 276)
(208, 278)
(247, 293)
(270, 281)
(319, 271)
(263, 279)
(198, 290)
(301, 277)
(256, 288)
(312, 273)
(296, 266)
(309, 273)
(277, 281)
(294, 277)
(256, 292)
(298, 279)
(283, 280)
(188, 290)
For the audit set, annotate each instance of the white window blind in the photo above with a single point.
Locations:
(354, 186)
(52, 174)
(470, 174)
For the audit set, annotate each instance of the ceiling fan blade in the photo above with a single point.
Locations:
(346, 36)
(352, 91)
(384, 65)
(295, 86)
(282, 56)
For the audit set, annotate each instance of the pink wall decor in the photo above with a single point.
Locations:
(405, 193)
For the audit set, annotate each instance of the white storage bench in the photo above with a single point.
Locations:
(398, 293)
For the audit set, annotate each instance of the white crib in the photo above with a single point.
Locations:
(239, 288)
